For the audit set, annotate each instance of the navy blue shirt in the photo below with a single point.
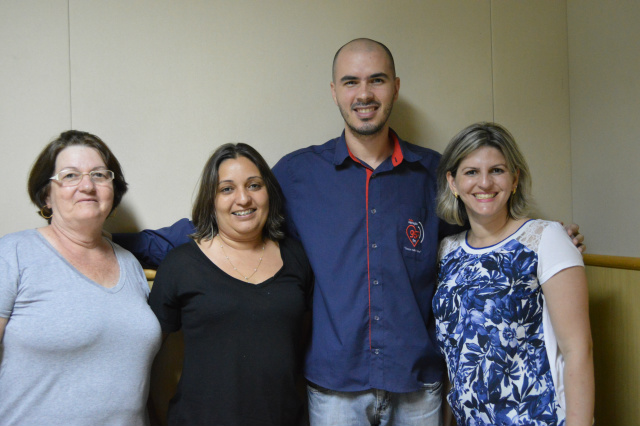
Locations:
(372, 238)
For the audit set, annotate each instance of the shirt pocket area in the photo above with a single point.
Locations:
(411, 232)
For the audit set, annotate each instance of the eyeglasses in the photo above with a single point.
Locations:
(74, 177)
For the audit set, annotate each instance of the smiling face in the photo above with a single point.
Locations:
(86, 201)
(242, 201)
(364, 88)
(484, 184)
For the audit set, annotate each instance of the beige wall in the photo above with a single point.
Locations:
(165, 82)
(531, 94)
(604, 59)
(34, 97)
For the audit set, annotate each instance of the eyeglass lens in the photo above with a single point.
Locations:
(73, 177)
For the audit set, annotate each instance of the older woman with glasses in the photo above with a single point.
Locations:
(78, 336)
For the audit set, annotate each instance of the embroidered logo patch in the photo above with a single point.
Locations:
(415, 232)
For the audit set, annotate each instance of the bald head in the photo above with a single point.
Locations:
(363, 45)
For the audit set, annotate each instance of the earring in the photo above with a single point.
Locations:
(455, 194)
(43, 214)
(514, 190)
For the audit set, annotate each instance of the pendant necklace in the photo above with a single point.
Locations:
(236, 269)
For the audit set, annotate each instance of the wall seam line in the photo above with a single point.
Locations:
(69, 64)
(572, 191)
(493, 89)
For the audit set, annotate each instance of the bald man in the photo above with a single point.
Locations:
(363, 206)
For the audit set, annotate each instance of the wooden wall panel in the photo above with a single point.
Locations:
(615, 323)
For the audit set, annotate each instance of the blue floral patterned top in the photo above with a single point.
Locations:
(494, 330)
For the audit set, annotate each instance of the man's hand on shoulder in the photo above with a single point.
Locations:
(578, 239)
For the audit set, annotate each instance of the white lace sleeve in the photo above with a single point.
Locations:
(556, 252)
(450, 243)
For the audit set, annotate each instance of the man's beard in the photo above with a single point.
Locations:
(367, 129)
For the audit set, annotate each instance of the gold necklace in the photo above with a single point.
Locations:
(236, 269)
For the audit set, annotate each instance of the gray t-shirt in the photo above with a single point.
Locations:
(74, 352)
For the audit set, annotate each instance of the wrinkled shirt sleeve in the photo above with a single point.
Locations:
(152, 245)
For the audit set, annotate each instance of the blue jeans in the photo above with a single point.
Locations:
(375, 407)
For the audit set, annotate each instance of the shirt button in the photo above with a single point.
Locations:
(375, 282)
(377, 318)
(374, 245)
(376, 351)
(373, 211)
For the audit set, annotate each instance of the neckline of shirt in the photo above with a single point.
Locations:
(121, 279)
(264, 283)
(473, 249)
(397, 155)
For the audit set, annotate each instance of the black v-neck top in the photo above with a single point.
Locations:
(242, 341)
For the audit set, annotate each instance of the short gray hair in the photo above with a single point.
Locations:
(471, 138)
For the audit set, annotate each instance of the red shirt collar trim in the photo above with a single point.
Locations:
(396, 156)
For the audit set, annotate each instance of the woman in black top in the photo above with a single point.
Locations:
(239, 291)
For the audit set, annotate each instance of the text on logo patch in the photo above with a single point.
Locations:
(415, 232)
